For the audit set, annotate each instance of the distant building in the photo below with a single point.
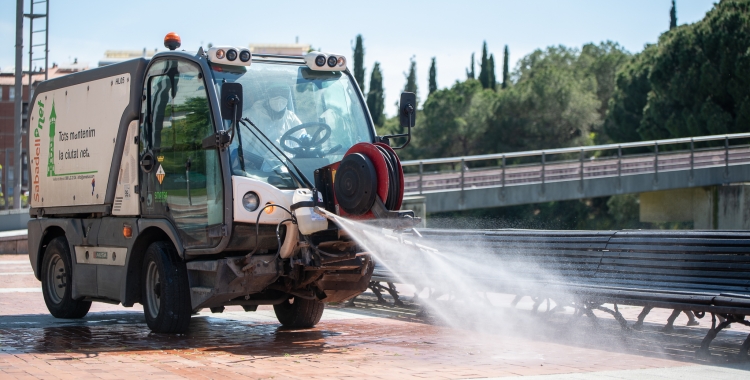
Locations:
(7, 102)
(116, 56)
(280, 49)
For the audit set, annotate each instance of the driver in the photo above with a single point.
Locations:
(272, 114)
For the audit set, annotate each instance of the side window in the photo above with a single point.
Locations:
(185, 182)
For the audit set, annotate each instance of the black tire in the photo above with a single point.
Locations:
(301, 313)
(57, 282)
(165, 290)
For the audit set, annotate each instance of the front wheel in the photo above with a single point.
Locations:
(299, 312)
(166, 293)
(57, 282)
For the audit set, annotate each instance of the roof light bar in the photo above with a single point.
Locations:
(227, 55)
(318, 61)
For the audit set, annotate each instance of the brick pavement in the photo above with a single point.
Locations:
(370, 341)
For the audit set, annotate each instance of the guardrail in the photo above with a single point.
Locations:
(607, 166)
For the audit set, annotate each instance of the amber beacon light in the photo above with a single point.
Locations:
(172, 41)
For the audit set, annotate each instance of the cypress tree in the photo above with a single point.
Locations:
(673, 16)
(484, 73)
(376, 96)
(506, 78)
(411, 78)
(470, 74)
(359, 63)
(491, 69)
(433, 77)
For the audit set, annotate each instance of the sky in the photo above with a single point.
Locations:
(393, 31)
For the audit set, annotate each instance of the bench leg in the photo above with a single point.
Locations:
(537, 302)
(615, 313)
(376, 287)
(703, 352)
(744, 349)
(746, 344)
(516, 300)
(394, 293)
(350, 303)
(670, 321)
(587, 310)
(639, 323)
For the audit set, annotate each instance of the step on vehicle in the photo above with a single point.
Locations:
(191, 180)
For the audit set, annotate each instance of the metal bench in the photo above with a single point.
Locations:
(700, 271)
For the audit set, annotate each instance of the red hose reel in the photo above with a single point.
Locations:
(367, 183)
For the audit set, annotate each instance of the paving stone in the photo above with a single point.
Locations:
(370, 341)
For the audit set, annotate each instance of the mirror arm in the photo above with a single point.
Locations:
(409, 111)
(234, 102)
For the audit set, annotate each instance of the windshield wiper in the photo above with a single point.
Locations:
(300, 176)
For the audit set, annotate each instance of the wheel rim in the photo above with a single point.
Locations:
(56, 278)
(153, 289)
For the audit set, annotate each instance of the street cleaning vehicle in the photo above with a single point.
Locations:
(190, 181)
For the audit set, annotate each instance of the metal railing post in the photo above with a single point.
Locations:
(462, 174)
(656, 162)
(580, 186)
(619, 166)
(726, 155)
(692, 158)
(502, 178)
(6, 180)
(420, 177)
(543, 164)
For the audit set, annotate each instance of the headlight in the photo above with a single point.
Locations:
(220, 54)
(320, 60)
(232, 55)
(332, 60)
(244, 55)
(341, 62)
(250, 201)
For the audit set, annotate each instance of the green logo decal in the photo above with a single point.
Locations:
(51, 158)
(160, 196)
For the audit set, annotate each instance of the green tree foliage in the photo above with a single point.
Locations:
(491, 69)
(602, 62)
(673, 16)
(454, 120)
(376, 96)
(556, 100)
(433, 77)
(696, 81)
(630, 97)
(359, 63)
(552, 104)
(470, 73)
(700, 79)
(484, 72)
(506, 75)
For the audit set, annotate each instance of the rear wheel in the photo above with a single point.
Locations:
(166, 293)
(57, 282)
(299, 312)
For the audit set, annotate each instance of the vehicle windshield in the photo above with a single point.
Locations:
(313, 116)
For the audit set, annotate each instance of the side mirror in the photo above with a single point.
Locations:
(407, 114)
(231, 101)
(407, 109)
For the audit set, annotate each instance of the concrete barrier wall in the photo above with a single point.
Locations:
(11, 220)
(14, 242)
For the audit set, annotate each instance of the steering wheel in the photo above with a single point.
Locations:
(310, 145)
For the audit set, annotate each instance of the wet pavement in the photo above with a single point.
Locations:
(366, 341)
